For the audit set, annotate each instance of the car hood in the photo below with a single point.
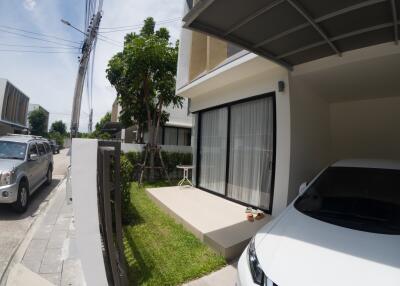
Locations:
(9, 164)
(300, 250)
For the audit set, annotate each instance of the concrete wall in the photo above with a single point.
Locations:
(310, 138)
(366, 128)
(84, 193)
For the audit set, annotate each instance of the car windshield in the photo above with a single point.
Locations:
(365, 199)
(12, 150)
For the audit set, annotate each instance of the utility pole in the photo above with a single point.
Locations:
(90, 38)
(90, 129)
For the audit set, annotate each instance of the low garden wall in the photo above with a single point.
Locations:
(130, 147)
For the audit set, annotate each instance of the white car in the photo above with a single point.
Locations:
(343, 229)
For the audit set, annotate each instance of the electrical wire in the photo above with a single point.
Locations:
(39, 52)
(34, 38)
(111, 43)
(133, 29)
(141, 24)
(39, 47)
(39, 34)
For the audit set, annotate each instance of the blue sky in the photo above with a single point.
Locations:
(49, 78)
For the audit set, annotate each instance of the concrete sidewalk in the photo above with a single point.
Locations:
(52, 252)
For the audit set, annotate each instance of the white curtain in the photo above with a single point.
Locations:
(251, 152)
(213, 149)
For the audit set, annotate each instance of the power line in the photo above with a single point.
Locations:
(40, 47)
(35, 38)
(111, 43)
(39, 52)
(132, 29)
(141, 24)
(40, 34)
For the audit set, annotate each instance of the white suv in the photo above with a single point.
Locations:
(26, 162)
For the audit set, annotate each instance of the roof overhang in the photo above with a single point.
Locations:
(292, 32)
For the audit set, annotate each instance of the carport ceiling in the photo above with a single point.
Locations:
(291, 32)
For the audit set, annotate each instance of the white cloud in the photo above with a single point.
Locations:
(30, 4)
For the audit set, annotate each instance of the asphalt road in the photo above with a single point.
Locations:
(13, 227)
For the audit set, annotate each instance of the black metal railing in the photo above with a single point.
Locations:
(109, 202)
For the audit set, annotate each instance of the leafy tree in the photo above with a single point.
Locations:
(37, 122)
(58, 137)
(98, 131)
(143, 75)
(59, 126)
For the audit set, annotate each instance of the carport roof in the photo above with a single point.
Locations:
(291, 32)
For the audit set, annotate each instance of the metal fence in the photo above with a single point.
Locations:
(109, 202)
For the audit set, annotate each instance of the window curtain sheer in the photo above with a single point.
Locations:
(213, 150)
(251, 152)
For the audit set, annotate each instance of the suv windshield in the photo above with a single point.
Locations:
(359, 198)
(12, 150)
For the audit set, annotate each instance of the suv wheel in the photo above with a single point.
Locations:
(22, 199)
(49, 175)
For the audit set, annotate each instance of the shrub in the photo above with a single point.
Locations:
(171, 160)
(58, 137)
(126, 179)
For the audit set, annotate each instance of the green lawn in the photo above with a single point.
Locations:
(160, 251)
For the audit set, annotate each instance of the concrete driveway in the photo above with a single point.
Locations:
(13, 227)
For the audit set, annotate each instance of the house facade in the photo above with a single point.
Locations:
(177, 131)
(14, 108)
(274, 102)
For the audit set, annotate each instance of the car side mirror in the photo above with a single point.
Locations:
(33, 157)
(302, 188)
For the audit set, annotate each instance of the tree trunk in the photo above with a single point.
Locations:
(152, 154)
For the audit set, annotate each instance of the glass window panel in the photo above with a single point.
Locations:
(251, 152)
(170, 136)
(213, 150)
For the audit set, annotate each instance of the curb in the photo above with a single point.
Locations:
(20, 249)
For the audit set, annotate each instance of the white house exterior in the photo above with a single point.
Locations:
(325, 86)
(176, 132)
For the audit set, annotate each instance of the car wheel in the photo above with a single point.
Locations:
(49, 176)
(22, 199)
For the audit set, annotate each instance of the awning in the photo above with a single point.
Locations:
(293, 32)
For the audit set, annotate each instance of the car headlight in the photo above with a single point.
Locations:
(5, 178)
(255, 268)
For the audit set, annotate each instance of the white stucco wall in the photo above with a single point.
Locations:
(263, 79)
(366, 128)
(311, 139)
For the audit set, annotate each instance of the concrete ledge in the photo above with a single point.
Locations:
(219, 223)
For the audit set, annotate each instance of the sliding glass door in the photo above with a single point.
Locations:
(213, 147)
(251, 152)
(236, 144)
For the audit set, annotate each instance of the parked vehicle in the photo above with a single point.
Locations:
(26, 162)
(343, 229)
(54, 146)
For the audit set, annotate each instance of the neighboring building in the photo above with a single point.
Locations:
(321, 83)
(33, 107)
(177, 131)
(14, 107)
